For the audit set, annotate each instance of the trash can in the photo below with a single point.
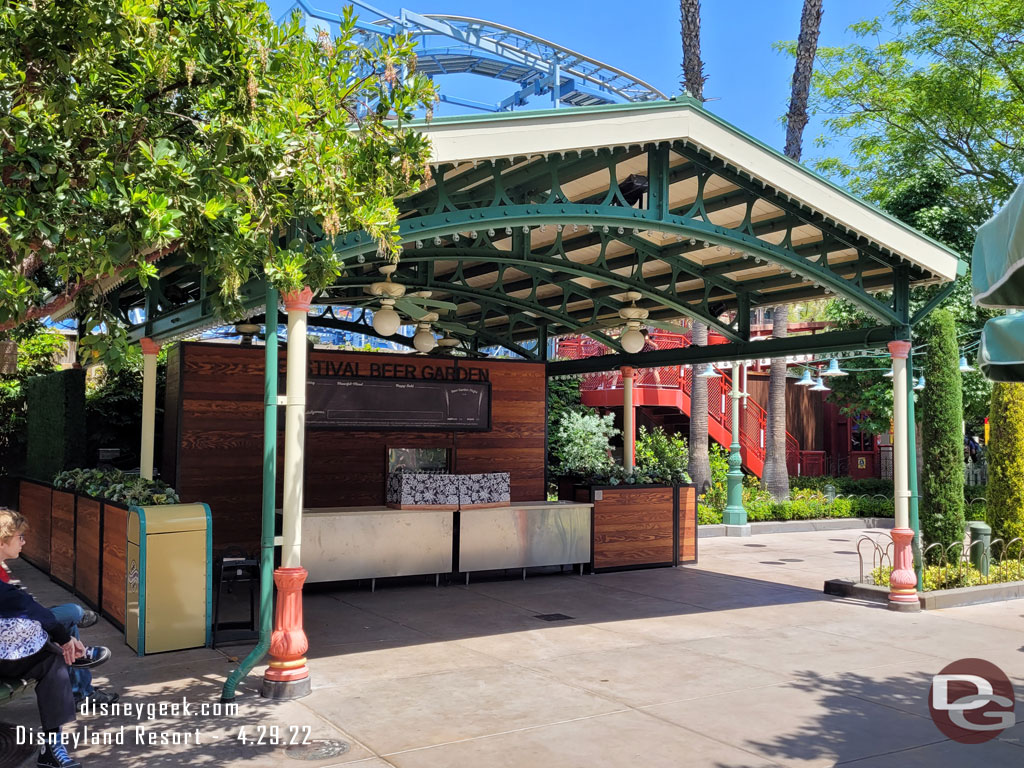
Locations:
(168, 574)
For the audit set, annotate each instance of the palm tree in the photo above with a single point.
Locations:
(776, 472)
(699, 466)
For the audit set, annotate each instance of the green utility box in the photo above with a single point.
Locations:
(168, 572)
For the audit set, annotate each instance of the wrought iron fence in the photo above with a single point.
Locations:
(947, 566)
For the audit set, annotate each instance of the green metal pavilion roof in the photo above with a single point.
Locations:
(537, 224)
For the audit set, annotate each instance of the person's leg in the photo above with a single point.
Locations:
(53, 689)
(70, 614)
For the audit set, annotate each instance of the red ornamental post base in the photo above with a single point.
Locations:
(287, 677)
(903, 580)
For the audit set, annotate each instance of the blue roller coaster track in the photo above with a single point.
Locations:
(457, 45)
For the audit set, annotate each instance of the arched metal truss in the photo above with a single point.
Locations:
(538, 68)
(535, 247)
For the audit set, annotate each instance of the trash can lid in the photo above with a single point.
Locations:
(979, 526)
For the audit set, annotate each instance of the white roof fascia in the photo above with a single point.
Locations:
(571, 130)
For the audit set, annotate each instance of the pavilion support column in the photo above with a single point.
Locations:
(287, 677)
(628, 420)
(734, 515)
(150, 349)
(903, 580)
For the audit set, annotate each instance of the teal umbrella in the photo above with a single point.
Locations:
(997, 262)
(1001, 356)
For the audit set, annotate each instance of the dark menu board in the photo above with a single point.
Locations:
(376, 404)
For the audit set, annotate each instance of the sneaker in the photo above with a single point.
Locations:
(98, 696)
(94, 656)
(56, 756)
(88, 619)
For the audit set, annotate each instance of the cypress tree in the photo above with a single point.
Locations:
(1005, 491)
(942, 411)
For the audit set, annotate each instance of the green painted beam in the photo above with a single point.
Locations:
(814, 344)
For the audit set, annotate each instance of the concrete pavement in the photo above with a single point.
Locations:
(740, 661)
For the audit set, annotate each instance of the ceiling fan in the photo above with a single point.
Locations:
(634, 318)
(393, 299)
(424, 339)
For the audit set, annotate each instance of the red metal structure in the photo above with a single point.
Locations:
(670, 387)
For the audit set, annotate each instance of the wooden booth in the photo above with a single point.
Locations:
(413, 464)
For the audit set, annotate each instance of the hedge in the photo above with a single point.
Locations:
(56, 434)
(847, 486)
(811, 506)
(942, 443)
(1005, 496)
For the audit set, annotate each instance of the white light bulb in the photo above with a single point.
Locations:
(386, 321)
(424, 340)
(632, 341)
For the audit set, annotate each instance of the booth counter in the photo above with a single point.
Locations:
(347, 543)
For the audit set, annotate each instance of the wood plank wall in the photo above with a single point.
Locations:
(216, 392)
(633, 527)
(804, 410)
(62, 538)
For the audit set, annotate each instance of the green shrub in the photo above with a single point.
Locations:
(115, 485)
(972, 492)
(958, 575)
(942, 412)
(580, 444)
(707, 516)
(847, 486)
(662, 456)
(1005, 496)
(715, 497)
(56, 435)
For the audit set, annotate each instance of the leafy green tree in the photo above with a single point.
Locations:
(1006, 462)
(113, 408)
(129, 130)
(938, 81)
(941, 406)
(922, 200)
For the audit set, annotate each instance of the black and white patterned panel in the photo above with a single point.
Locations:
(414, 489)
(490, 488)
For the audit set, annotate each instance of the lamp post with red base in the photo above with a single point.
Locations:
(903, 579)
(287, 676)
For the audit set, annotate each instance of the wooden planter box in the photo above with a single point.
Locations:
(642, 526)
(112, 572)
(62, 538)
(80, 542)
(34, 502)
(88, 549)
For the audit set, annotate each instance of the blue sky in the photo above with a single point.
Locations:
(747, 81)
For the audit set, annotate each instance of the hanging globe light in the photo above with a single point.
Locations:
(385, 320)
(632, 339)
(424, 340)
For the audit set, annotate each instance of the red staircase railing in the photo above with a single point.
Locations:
(678, 378)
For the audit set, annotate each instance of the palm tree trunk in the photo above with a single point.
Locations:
(776, 472)
(775, 478)
(693, 66)
(699, 466)
(806, 48)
